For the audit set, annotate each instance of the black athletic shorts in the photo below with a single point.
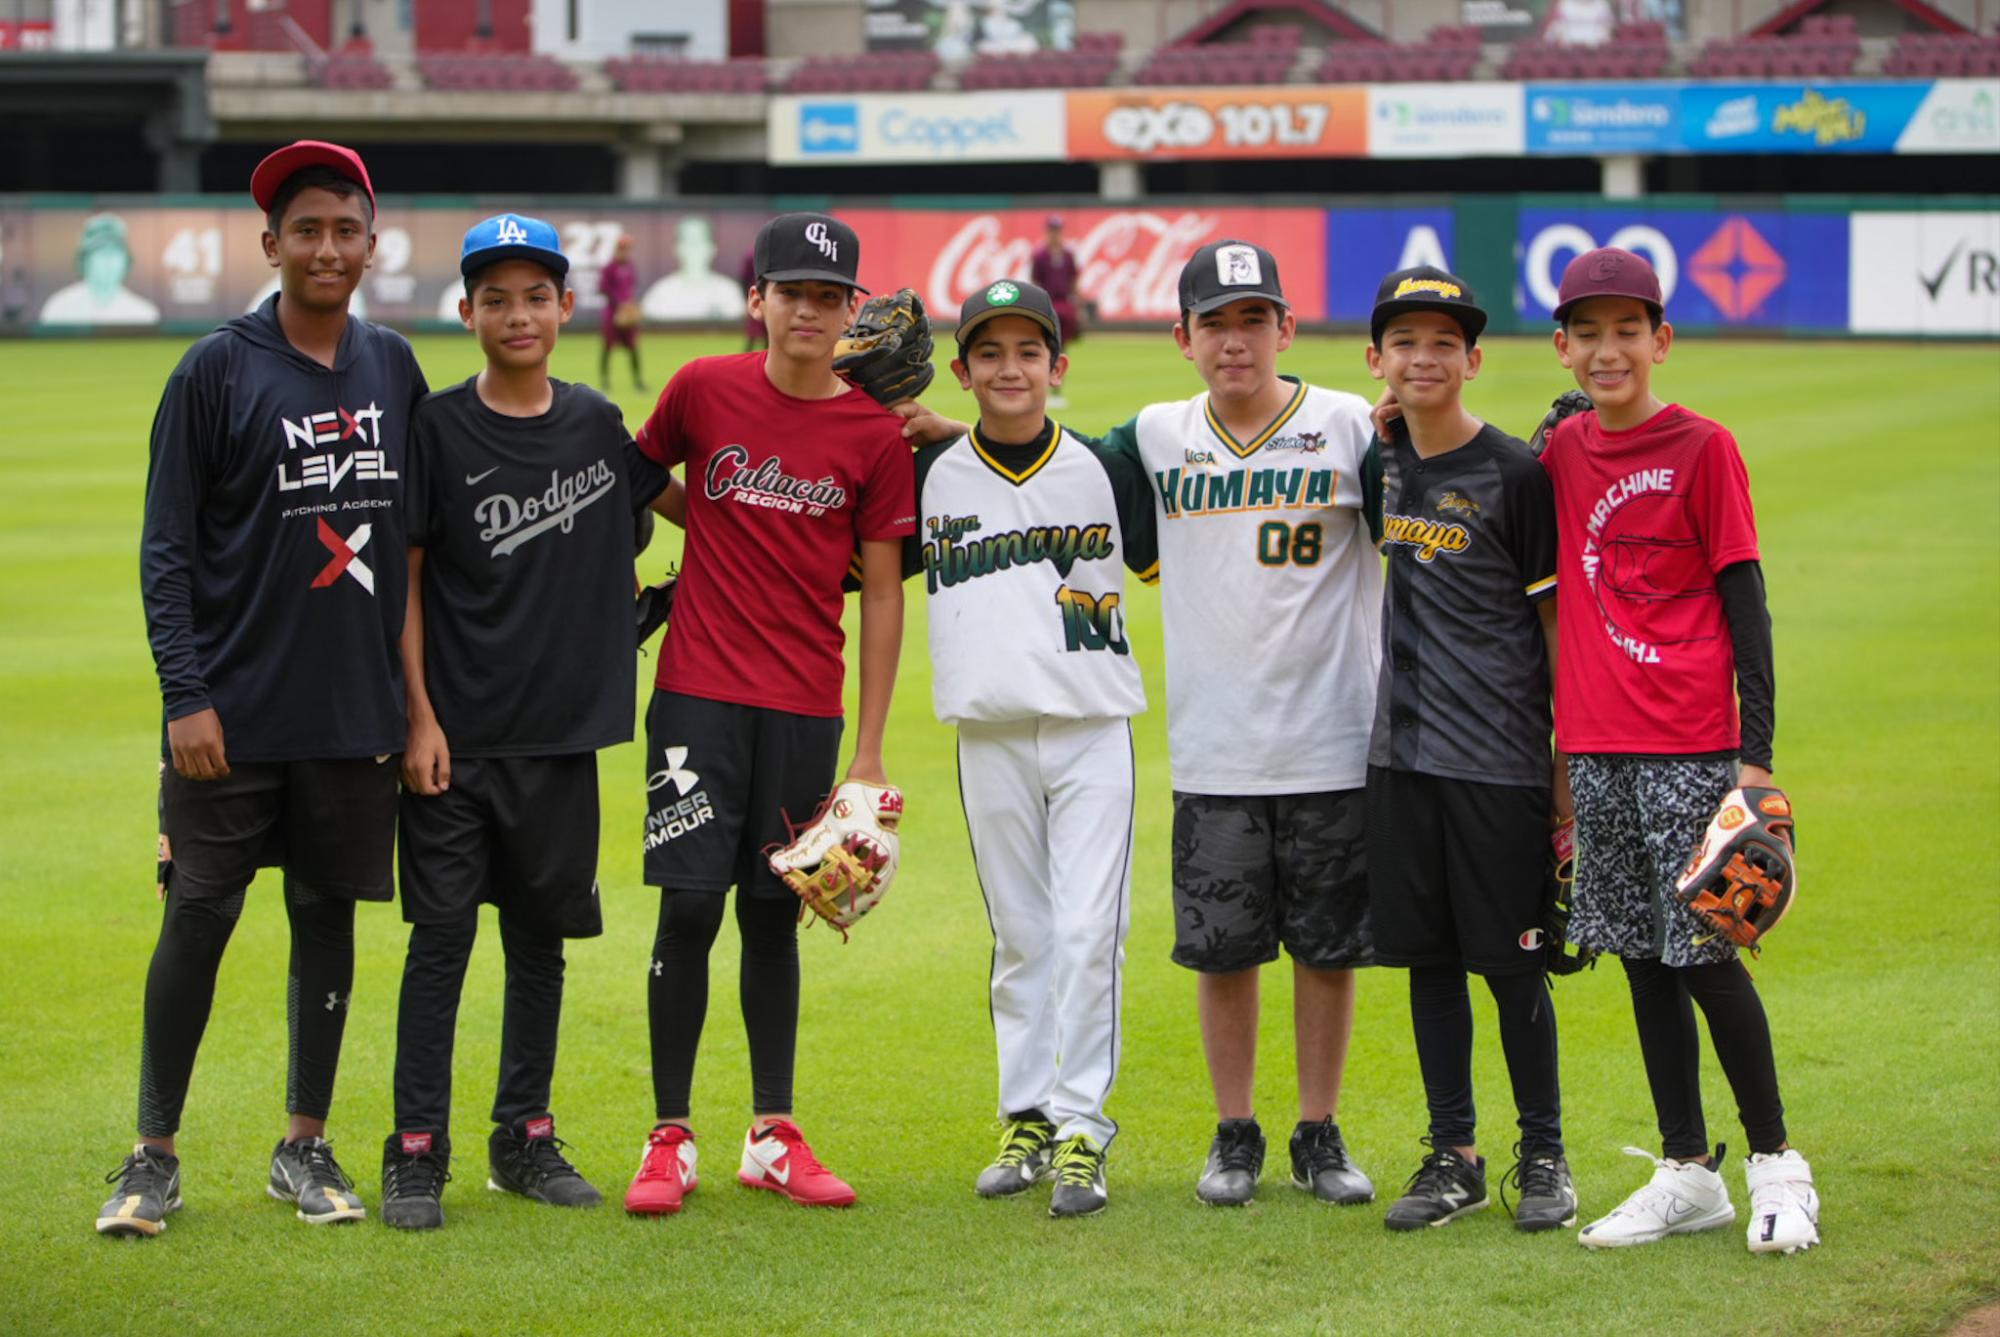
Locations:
(1251, 873)
(517, 832)
(329, 824)
(720, 781)
(1457, 871)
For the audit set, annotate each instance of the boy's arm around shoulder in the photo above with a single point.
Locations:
(1132, 493)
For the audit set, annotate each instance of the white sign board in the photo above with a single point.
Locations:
(1924, 273)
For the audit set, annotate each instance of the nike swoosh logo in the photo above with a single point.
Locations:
(1932, 286)
(1678, 1210)
(473, 480)
(783, 1176)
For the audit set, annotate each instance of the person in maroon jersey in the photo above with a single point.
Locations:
(789, 473)
(619, 282)
(1053, 270)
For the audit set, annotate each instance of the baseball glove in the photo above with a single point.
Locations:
(842, 862)
(1556, 950)
(887, 350)
(651, 607)
(1742, 878)
(1567, 403)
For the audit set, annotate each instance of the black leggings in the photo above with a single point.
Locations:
(677, 994)
(180, 990)
(1663, 999)
(1441, 1014)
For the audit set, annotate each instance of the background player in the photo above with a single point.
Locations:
(1661, 586)
(1054, 269)
(272, 572)
(1029, 660)
(619, 283)
(518, 654)
(1459, 777)
(790, 471)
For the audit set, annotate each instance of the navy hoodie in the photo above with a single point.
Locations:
(273, 562)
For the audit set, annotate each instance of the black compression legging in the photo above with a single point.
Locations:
(180, 990)
(1663, 999)
(677, 995)
(1441, 1014)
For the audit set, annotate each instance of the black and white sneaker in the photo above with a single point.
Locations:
(149, 1186)
(415, 1168)
(1548, 1196)
(1079, 1170)
(1235, 1162)
(527, 1159)
(1445, 1187)
(306, 1173)
(1027, 1150)
(1320, 1165)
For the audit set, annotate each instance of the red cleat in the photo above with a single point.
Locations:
(666, 1172)
(777, 1158)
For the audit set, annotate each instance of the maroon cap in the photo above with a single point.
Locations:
(279, 166)
(1609, 272)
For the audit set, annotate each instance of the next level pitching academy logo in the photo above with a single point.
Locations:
(355, 438)
(769, 486)
(508, 521)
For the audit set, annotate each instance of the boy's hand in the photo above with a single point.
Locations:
(427, 759)
(868, 768)
(1754, 777)
(196, 744)
(926, 427)
(1387, 415)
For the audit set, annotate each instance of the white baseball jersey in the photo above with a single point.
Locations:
(1271, 591)
(1022, 550)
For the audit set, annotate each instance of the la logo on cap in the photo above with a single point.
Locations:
(1237, 267)
(816, 234)
(512, 233)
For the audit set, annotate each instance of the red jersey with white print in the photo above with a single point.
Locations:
(780, 490)
(1645, 519)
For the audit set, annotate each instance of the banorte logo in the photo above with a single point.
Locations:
(1129, 264)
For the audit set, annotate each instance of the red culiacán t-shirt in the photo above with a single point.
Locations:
(780, 490)
(1645, 519)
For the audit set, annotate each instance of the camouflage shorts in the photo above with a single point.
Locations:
(1637, 821)
(1250, 873)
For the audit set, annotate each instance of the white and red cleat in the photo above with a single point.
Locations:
(666, 1172)
(776, 1157)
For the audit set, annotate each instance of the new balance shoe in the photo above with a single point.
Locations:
(1027, 1148)
(1784, 1205)
(149, 1186)
(776, 1157)
(305, 1172)
(415, 1168)
(526, 1158)
(1235, 1162)
(1682, 1197)
(1445, 1187)
(1548, 1196)
(666, 1172)
(1079, 1170)
(1320, 1165)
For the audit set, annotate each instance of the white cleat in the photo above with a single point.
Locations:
(1682, 1197)
(1784, 1205)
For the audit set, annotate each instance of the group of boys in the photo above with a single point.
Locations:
(485, 635)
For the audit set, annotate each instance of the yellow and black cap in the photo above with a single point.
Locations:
(1009, 297)
(1426, 288)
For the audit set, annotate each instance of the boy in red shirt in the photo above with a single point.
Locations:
(1665, 632)
(789, 472)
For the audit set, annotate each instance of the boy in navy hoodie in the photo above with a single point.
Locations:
(272, 569)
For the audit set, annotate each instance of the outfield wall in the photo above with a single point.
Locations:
(1869, 266)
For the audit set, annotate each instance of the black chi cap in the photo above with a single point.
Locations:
(808, 246)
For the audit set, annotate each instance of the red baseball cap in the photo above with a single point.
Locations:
(280, 165)
(1609, 272)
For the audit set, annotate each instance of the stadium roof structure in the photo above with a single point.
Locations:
(162, 95)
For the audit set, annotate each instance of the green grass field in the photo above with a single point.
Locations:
(1877, 477)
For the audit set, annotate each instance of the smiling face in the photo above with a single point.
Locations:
(1425, 359)
(321, 249)
(1610, 345)
(803, 317)
(1009, 370)
(515, 308)
(1236, 347)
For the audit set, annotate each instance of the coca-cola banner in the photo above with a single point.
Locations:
(1262, 122)
(1128, 260)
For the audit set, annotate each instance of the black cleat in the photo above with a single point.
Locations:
(306, 1173)
(1079, 1189)
(1445, 1187)
(149, 1186)
(527, 1159)
(1548, 1197)
(1235, 1160)
(415, 1168)
(1027, 1149)
(1320, 1165)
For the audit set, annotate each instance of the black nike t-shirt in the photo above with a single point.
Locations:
(527, 527)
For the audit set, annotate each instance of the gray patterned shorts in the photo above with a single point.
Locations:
(1252, 872)
(1637, 821)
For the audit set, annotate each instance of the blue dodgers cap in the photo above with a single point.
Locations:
(512, 237)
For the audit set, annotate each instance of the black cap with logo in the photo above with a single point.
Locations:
(1009, 297)
(1229, 271)
(1426, 288)
(807, 246)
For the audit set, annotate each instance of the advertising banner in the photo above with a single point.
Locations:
(956, 29)
(1445, 120)
(1576, 119)
(1956, 116)
(1026, 126)
(27, 35)
(1267, 122)
(1752, 270)
(1797, 118)
(1925, 273)
(1364, 244)
(1128, 260)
